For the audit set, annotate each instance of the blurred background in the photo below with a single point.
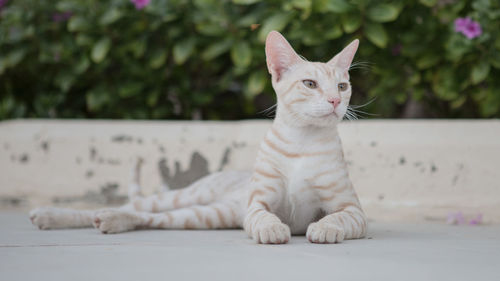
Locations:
(204, 59)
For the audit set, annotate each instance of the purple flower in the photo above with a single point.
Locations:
(57, 56)
(396, 49)
(140, 4)
(58, 17)
(468, 27)
(2, 3)
(455, 218)
(477, 220)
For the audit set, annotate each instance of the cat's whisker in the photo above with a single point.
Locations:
(302, 57)
(361, 113)
(354, 106)
(361, 65)
(270, 111)
(350, 115)
(354, 116)
(364, 112)
(362, 62)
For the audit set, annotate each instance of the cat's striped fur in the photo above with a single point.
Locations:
(299, 184)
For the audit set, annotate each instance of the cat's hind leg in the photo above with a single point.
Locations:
(58, 218)
(207, 190)
(219, 215)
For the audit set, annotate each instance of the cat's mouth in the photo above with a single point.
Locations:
(333, 113)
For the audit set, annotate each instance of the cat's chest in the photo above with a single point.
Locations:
(303, 201)
(301, 174)
(302, 204)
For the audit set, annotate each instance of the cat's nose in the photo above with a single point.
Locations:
(334, 101)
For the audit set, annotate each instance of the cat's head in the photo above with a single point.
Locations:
(309, 93)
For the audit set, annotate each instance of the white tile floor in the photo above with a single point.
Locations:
(392, 252)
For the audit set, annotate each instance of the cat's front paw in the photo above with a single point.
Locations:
(111, 221)
(47, 218)
(271, 233)
(318, 232)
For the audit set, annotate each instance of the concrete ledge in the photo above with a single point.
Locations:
(402, 170)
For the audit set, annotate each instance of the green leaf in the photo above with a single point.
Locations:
(77, 23)
(14, 57)
(456, 47)
(217, 49)
(314, 38)
(96, 99)
(418, 94)
(82, 65)
(245, 2)
(158, 58)
(138, 48)
(481, 5)
(200, 98)
(383, 12)
(444, 84)
(3, 65)
(428, 3)
(333, 32)
(458, 102)
(241, 54)
(336, 6)
(488, 101)
(152, 98)
(414, 79)
(100, 50)
(301, 4)
(427, 60)
(351, 23)
(495, 60)
(255, 84)
(277, 22)
(130, 89)
(64, 80)
(83, 40)
(63, 6)
(497, 42)
(210, 28)
(110, 16)
(183, 50)
(248, 20)
(480, 72)
(376, 33)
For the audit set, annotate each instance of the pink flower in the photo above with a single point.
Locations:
(468, 27)
(140, 4)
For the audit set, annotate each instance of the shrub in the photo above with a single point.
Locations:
(184, 59)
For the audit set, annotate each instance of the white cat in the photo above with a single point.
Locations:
(299, 184)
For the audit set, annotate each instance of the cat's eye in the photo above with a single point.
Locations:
(342, 86)
(310, 84)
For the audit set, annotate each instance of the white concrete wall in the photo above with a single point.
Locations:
(403, 170)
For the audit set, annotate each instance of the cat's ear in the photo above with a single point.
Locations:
(280, 56)
(344, 58)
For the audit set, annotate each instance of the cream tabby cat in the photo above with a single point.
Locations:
(299, 184)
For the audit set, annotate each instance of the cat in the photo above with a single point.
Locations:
(299, 184)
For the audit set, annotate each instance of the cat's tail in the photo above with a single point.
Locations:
(134, 189)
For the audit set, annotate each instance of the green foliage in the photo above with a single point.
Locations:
(182, 58)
